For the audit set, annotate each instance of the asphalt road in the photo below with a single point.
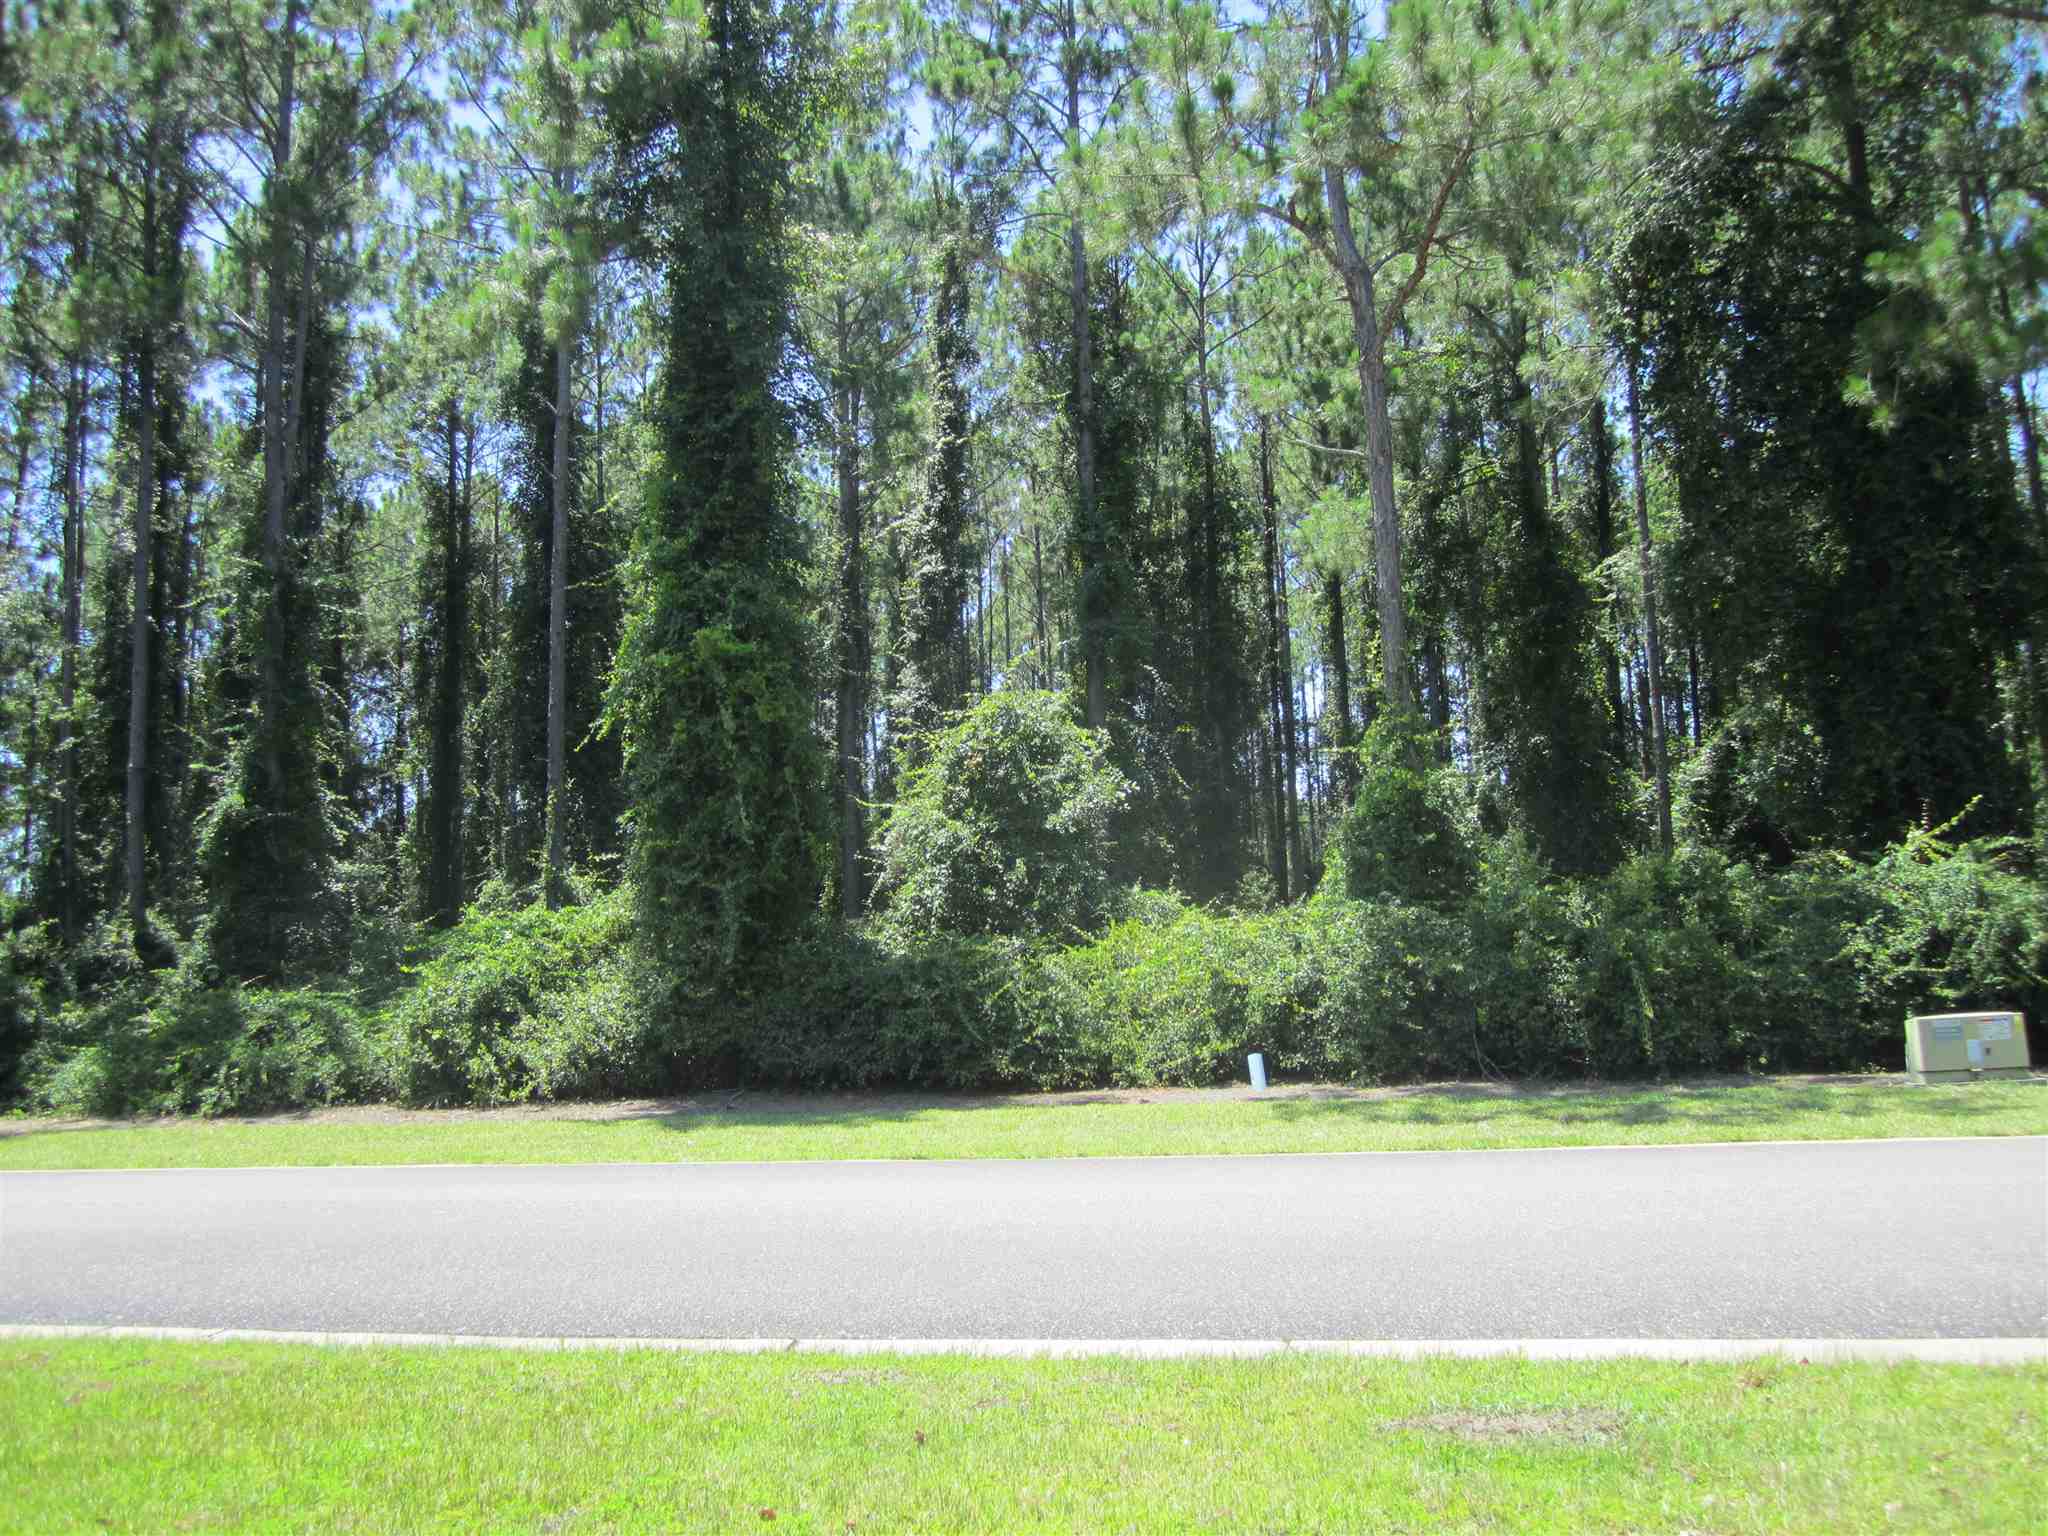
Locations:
(1921, 1239)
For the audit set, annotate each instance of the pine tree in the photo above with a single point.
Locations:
(713, 686)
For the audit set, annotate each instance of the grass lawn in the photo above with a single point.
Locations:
(749, 1127)
(143, 1435)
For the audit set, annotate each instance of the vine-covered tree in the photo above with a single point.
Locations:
(713, 688)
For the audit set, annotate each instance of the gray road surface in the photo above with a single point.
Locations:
(1928, 1239)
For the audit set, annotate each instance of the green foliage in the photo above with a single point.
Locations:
(1851, 562)
(31, 968)
(176, 1041)
(1176, 994)
(712, 686)
(1407, 836)
(851, 1009)
(1946, 927)
(268, 842)
(1663, 968)
(1005, 827)
(1675, 973)
(528, 1004)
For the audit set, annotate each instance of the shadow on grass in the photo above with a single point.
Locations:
(1719, 1105)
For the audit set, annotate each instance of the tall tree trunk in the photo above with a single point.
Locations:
(1360, 296)
(24, 442)
(558, 631)
(1692, 677)
(1653, 645)
(276, 428)
(445, 875)
(501, 724)
(1038, 602)
(31, 760)
(1436, 678)
(1289, 719)
(178, 683)
(1343, 773)
(1306, 850)
(853, 659)
(1603, 546)
(1094, 621)
(2036, 665)
(1275, 636)
(145, 517)
(72, 577)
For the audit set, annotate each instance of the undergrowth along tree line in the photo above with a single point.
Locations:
(572, 551)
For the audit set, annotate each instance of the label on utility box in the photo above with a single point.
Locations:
(1995, 1029)
(1953, 1030)
(1976, 1053)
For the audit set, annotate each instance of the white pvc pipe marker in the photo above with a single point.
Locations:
(1257, 1063)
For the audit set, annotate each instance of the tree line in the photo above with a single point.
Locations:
(459, 457)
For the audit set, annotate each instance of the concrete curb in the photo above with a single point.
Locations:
(2003, 1351)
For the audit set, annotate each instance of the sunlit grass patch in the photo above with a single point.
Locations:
(144, 1435)
(749, 1127)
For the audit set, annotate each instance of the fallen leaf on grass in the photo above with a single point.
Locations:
(920, 1436)
(767, 1514)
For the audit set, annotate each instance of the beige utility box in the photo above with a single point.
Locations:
(1955, 1047)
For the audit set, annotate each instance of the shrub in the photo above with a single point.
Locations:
(1396, 999)
(1408, 835)
(30, 971)
(176, 1042)
(1153, 1001)
(1004, 829)
(1927, 926)
(1673, 980)
(1526, 933)
(521, 1005)
(853, 1008)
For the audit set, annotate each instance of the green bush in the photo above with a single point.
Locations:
(1408, 835)
(1396, 1000)
(1525, 937)
(1005, 829)
(1698, 963)
(530, 1004)
(1927, 926)
(1675, 973)
(853, 1008)
(176, 1041)
(30, 961)
(1150, 1001)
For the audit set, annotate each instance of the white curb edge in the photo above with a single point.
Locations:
(1996, 1351)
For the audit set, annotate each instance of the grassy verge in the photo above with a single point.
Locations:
(1158, 1122)
(140, 1435)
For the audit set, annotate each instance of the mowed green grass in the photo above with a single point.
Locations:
(766, 1129)
(140, 1435)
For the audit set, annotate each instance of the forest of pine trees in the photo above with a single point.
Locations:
(583, 547)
